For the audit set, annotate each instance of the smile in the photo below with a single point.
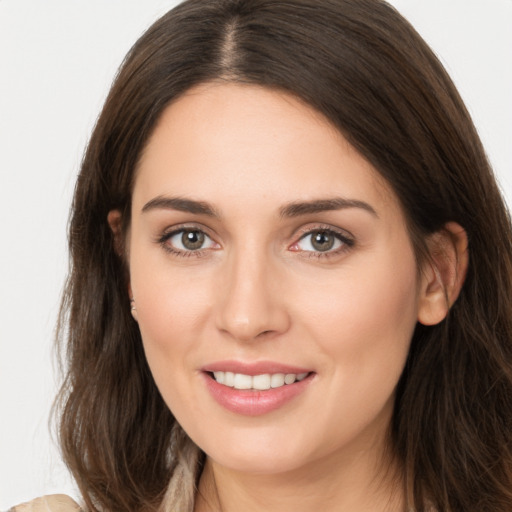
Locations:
(261, 382)
(253, 389)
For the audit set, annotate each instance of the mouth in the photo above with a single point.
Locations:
(262, 382)
(253, 389)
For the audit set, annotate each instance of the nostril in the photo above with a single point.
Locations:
(262, 334)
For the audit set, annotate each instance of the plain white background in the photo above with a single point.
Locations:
(57, 60)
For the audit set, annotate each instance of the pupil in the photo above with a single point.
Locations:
(322, 241)
(192, 240)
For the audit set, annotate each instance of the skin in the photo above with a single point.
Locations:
(258, 290)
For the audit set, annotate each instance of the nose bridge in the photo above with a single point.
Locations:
(250, 303)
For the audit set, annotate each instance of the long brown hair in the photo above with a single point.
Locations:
(361, 65)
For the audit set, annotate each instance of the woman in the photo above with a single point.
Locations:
(291, 273)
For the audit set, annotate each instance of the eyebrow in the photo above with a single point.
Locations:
(296, 209)
(181, 204)
(290, 210)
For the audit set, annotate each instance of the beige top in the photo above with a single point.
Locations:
(63, 503)
(51, 503)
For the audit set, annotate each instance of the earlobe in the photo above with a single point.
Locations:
(444, 273)
(133, 309)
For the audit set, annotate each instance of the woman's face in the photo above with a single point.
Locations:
(265, 250)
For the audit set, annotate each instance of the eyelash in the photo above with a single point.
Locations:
(347, 242)
(178, 252)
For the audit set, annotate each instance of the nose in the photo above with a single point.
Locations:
(251, 302)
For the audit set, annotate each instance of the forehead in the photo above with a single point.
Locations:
(227, 141)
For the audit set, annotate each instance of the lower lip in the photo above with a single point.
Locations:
(251, 402)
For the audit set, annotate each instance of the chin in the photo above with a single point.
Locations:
(262, 463)
(258, 452)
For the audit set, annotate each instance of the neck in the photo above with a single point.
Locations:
(343, 482)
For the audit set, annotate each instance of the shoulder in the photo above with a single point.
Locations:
(51, 503)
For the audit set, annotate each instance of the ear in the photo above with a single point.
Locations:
(114, 219)
(443, 275)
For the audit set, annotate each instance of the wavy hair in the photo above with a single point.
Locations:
(361, 65)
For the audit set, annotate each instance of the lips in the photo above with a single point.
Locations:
(255, 388)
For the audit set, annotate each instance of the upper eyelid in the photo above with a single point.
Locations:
(172, 230)
(307, 230)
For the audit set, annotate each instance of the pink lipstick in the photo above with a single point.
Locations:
(253, 389)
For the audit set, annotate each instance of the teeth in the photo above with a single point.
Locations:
(258, 382)
(229, 379)
(242, 381)
(289, 378)
(261, 382)
(219, 377)
(277, 380)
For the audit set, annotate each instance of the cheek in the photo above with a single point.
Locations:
(364, 319)
(171, 313)
(172, 308)
(362, 324)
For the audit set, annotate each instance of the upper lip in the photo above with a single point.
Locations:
(253, 368)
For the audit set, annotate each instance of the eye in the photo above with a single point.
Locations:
(187, 240)
(320, 241)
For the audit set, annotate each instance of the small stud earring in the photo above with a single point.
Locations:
(132, 304)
